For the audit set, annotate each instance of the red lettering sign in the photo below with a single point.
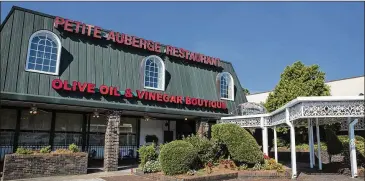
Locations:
(74, 27)
(105, 90)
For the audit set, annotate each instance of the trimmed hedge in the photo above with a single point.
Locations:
(241, 145)
(177, 157)
(146, 153)
(205, 148)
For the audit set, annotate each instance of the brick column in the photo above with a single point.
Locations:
(202, 128)
(111, 148)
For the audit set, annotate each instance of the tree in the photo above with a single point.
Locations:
(297, 80)
(246, 91)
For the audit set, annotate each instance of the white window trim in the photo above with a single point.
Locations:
(162, 77)
(230, 86)
(58, 41)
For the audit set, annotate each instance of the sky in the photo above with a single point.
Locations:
(259, 38)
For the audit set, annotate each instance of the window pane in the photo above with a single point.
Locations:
(53, 63)
(53, 57)
(40, 48)
(32, 59)
(31, 66)
(33, 53)
(98, 124)
(39, 121)
(52, 69)
(54, 50)
(39, 61)
(45, 68)
(38, 67)
(47, 55)
(33, 46)
(65, 139)
(69, 122)
(8, 118)
(48, 49)
(128, 125)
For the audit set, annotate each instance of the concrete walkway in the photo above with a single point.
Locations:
(98, 176)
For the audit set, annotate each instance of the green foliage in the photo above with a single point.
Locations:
(242, 146)
(334, 145)
(23, 151)
(177, 157)
(152, 166)
(297, 80)
(73, 148)
(243, 167)
(205, 148)
(246, 91)
(46, 149)
(281, 142)
(147, 153)
(257, 166)
(359, 142)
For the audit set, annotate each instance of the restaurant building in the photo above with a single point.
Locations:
(63, 81)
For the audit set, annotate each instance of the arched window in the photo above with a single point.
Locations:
(153, 73)
(226, 86)
(44, 53)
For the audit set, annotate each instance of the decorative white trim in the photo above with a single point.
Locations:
(59, 48)
(327, 109)
(161, 86)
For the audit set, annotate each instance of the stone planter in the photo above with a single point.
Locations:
(43, 165)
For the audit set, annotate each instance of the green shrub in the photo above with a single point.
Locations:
(281, 142)
(147, 153)
(242, 146)
(46, 149)
(334, 145)
(23, 151)
(177, 157)
(73, 148)
(205, 148)
(360, 154)
(152, 166)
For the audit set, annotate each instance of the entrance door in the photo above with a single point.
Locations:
(168, 136)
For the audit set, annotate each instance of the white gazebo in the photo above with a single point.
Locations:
(306, 111)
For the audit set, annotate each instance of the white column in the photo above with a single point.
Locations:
(265, 146)
(352, 148)
(319, 146)
(275, 145)
(310, 143)
(265, 141)
(292, 144)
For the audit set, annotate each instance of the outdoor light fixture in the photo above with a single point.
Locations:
(96, 114)
(146, 118)
(33, 110)
(186, 119)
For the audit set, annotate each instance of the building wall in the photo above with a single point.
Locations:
(155, 127)
(344, 87)
(100, 62)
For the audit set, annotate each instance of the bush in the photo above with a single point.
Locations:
(281, 142)
(23, 151)
(147, 153)
(360, 153)
(177, 157)
(46, 149)
(205, 148)
(152, 166)
(241, 145)
(73, 148)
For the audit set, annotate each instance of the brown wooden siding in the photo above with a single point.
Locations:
(97, 61)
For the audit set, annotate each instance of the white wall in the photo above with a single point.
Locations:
(345, 87)
(155, 127)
